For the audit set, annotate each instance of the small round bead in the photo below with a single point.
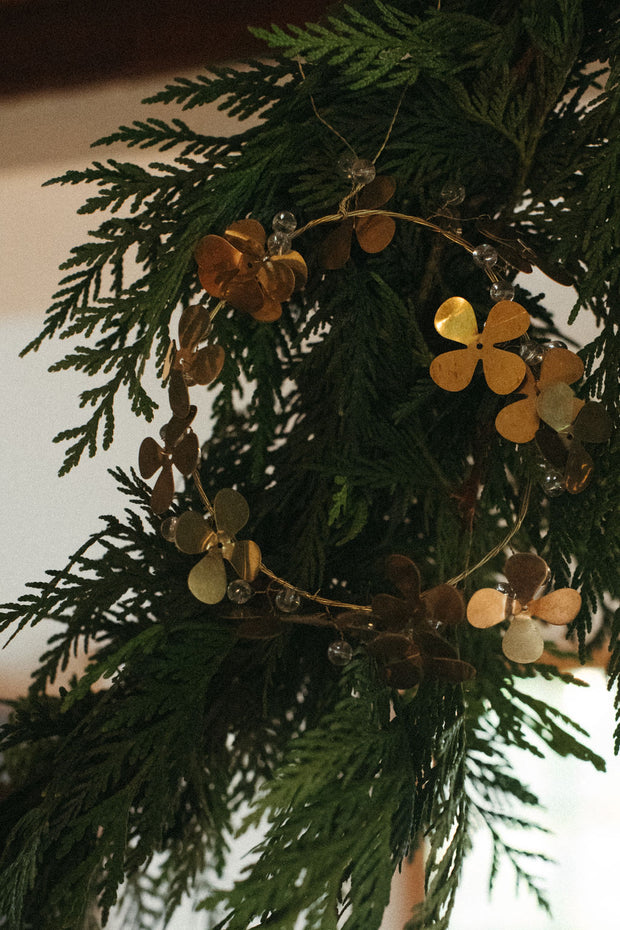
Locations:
(502, 290)
(363, 171)
(168, 528)
(239, 591)
(278, 243)
(552, 483)
(554, 344)
(504, 588)
(340, 652)
(287, 600)
(453, 193)
(531, 352)
(485, 256)
(284, 222)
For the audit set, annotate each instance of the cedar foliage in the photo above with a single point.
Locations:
(346, 452)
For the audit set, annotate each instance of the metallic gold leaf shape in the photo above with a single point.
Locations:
(503, 371)
(523, 640)
(455, 319)
(207, 579)
(404, 573)
(150, 457)
(444, 604)
(579, 468)
(593, 423)
(186, 452)
(163, 492)
(560, 365)
(526, 573)
(246, 559)
(559, 607)
(193, 532)
(555, 406)
(486, 608)
(506, 321)
(231, 511)
(453, 371)
(374, 233)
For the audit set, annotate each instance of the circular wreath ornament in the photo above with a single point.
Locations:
(526, 574)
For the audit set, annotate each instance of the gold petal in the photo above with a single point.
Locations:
(593, 423)
(486, 608)
(552, 446)
(579, 468)
(168, 361)
(444, 604)
(163, 492)
(245, 294)
(178, 395)
(217, 264)
(194, 325)
(456, 320)
(207, 363)
(404, 574)
(246, 559)
(231, 511)
(503, 371)
(150, 457)
(559, 607)
(518, 422)
(298, 266)
(186, 453)
(454, 670)
(207, 579)
(271, 310)
(560, 365)
(374, 233)
(555, 405)
(392, 647)
(453, 371)
(276, 279)
(506, 320)
(193, 532)
(390, 614)
(378, 192)
(525, 573)
(523, 640)
(248, 236)
(335, 249)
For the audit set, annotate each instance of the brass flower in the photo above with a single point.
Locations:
(190, 364)
(563, 445)
(523, 641)
(180, 449)
(456, 320)
(373, 233)
(236, 268)
(195, 534)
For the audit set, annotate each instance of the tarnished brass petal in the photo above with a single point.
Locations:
(245, 294)
(217, 264)
(391, 614)
(271, 310)
(525, 572)
(177, 426)
(186, 453)
(276, 279)
(554, 405)
(178, 394)
(523, 640)
(246, 559)
(453, 371)
(553, 447)
(506, 320)
(456, 320)
(404, 574)
(512, 256)
(444, 604)
(405, 674)
(297, 264)
(150, 457)
(207, 363)
(518, 422)
(593, 423)
(579, 468)
(207, 579)
(555, 271)
(503, 371)
(194, 325)
(248, 236)
(193, 533)
(374, 233)
(559, 607)
(453, 670)
(335, 249)
(560, 365)
(392, 647)
(486, 608)
(163, 492)
(377, 193)
(231, 511)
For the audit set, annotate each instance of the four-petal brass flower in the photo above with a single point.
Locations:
(563, 445)
(236, 268)
(195, 533)
(526, 574)
(190, 364)
(374, 233)
(456, 320)
(180, 450)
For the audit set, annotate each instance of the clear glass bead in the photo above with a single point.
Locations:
(554, 344)
(340, 652)
(284, 222)
(552, 483)
(239, 591)
(453, 193)
(502, 290)
(531, 352)
(168, 528)
(345, 164)
(504, 588)
(485, 255)
(363, 171)
(288, 601)
(278, 243)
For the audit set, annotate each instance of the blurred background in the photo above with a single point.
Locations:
(71, 72)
